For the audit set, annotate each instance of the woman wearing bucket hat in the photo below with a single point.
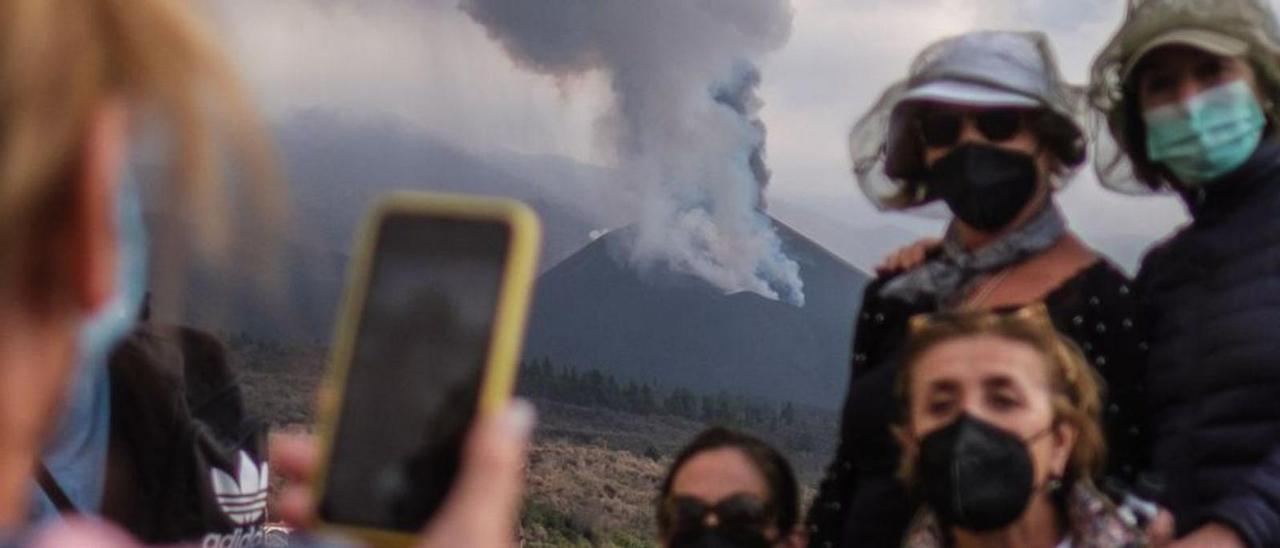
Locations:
(1187, 88)
(984, 124)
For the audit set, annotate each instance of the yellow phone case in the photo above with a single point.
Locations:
(508, 326)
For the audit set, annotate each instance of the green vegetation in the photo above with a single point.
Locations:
(545, 526)
(601, 448)
(592, 388)
(793, 428)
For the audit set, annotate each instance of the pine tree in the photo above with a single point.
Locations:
(724, 411)
(647, 403)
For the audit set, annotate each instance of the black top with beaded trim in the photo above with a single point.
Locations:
(861, 503)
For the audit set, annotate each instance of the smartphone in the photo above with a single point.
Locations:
(428, 335)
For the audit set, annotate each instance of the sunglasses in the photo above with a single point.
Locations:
(942, 128)
(740, 511)
(1034, 315)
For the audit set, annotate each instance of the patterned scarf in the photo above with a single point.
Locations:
(1093, 521)
(948, 278)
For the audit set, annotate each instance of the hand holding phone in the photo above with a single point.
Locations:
(429, 335)
(482, 510)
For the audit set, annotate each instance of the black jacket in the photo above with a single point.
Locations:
(1212, 297)
(860, 502)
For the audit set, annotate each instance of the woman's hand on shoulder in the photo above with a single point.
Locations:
(1161, 530)
(908, 257)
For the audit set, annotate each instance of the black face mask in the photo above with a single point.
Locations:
(976, 476)
(985, 186)
(720, 537)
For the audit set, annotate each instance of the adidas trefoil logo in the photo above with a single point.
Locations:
(244, 498)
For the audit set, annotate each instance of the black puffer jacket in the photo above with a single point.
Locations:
(1212, 300)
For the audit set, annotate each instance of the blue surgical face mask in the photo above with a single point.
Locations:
(77, 452)
(1208, 135)
(100, 333)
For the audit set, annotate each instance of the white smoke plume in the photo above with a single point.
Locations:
(684, 126)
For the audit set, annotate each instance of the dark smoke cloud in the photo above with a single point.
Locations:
(741, 97)
(685, 124)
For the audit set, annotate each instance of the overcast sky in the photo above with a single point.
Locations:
(430, 67)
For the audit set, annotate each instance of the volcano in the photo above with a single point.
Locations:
(595, 311)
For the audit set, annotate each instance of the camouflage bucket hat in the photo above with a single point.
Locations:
(1232, 28)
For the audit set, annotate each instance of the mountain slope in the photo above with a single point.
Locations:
(337, 168)
(594, 311)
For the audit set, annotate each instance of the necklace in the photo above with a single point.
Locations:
(985, 291)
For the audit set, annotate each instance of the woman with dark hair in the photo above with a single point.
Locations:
(1188, 89)
(985, 124)
(729, 489)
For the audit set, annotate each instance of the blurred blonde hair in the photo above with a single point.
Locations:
(1075, 388)
(62, 60)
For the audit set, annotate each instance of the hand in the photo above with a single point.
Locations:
(481, 511)
(1161, 530)
(293, 460)
(1213, 535)
(908, 257)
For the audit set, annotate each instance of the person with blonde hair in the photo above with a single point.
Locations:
(985, 125)
(79, 80)
(1001, 435)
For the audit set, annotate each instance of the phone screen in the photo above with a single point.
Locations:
(417, 365)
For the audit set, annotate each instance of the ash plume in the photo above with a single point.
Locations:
(684, 125)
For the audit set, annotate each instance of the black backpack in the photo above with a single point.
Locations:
(185, 463)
